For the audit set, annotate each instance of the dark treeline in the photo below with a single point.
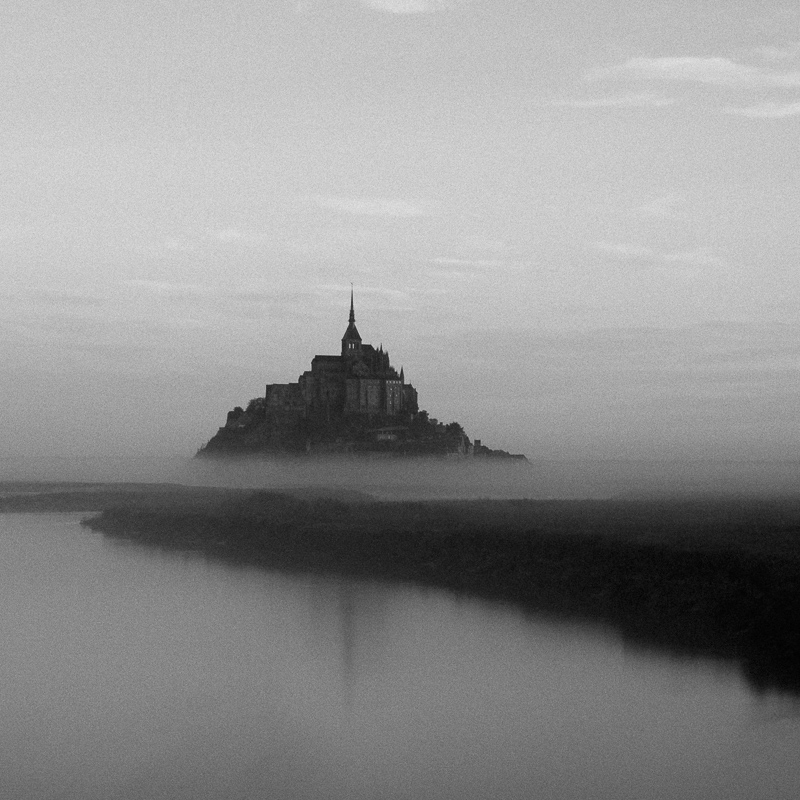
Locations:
(704, 577)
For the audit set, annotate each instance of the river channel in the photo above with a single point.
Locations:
(130, 673)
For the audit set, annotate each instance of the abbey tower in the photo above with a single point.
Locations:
(360, 381)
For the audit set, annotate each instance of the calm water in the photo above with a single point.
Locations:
(130, 673)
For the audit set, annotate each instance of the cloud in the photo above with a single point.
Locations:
(71, 299)
(372, 206)
(411, 6)
(31, 311)
(654, 355)
(177, 245)
(632, 100)
(714, 71)
(236, 236)
(666, 206)
(766, 110)
(228, 235)
(624, 251)
(169, 288)
(701, 256)
(484, 269)
(279, 297)
(773, 54)
(471, 262)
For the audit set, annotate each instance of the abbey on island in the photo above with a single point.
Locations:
(353, 402)
(359, 381)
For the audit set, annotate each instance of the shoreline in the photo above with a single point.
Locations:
(704, 578)
(708, 577)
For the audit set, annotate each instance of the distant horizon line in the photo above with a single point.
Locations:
(546, 459)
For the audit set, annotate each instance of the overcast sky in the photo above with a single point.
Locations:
(575, 225)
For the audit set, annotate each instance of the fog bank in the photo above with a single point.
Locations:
(429, 478)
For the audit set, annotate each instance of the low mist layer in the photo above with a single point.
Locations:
(434, 478)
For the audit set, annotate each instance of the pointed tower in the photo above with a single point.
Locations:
(351, 341)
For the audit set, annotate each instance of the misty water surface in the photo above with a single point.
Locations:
(129, 673)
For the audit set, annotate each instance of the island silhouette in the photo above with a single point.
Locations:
(355, 402)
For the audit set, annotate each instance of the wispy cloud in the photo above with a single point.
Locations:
(372, 206)
(699, 257)
(276, 297)
(169, 288)
(667, 206)
(476, 268)
(470, 262)
(64, 299)
(631, 100)
(177, 245)
(228, 235)
(766, 110)
(623, 251)
(411, 6)
(29, 308)
(777, 54)
(236, 236)
(715, 71)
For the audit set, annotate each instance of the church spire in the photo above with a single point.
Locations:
(351, 341)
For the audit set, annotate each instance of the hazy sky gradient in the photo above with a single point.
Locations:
(576, 230)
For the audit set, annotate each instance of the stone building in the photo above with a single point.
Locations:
(359, 382)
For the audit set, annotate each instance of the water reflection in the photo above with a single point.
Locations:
(130, 673)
